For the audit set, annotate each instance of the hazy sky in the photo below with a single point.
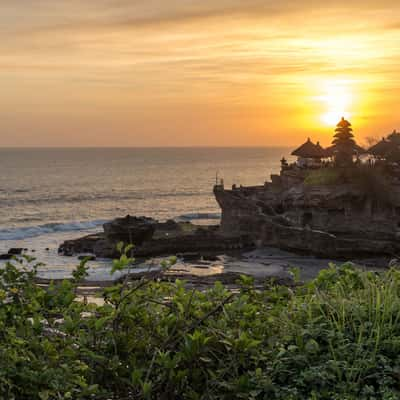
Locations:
(204, 72)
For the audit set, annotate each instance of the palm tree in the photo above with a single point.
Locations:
(343, 143)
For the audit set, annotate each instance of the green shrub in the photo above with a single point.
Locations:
(323, 176)
(373, 182)
(337, 337)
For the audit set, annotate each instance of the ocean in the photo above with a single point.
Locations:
(50, 195)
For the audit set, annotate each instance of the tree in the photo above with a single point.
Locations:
(344, 143)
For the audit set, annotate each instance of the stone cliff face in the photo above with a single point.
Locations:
(330, 220)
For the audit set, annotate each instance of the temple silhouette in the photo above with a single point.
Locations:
(338, 201)
(344, 150)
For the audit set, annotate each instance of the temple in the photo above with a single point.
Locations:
(337, 201)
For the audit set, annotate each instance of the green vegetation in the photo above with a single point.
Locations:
(337, 337)
(371, 182)
(323, 176)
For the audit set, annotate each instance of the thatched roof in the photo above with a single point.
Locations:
(381, 148)
(309, 150)
(329, 151)
(323, 151)
(320, 147)
(394, 137)
(357, 150)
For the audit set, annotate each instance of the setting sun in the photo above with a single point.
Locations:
(331, 118)
(336, 100)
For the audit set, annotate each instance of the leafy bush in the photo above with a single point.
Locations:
(323, 176)
(372, 182)
(337, 337)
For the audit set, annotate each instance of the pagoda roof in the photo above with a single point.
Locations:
(343, 123)
(309, 150)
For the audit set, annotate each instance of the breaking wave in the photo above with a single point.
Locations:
(38, 230)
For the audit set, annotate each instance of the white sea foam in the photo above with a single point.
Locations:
(25, 232)
(41, 186)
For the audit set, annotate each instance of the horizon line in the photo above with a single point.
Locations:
(140, 147)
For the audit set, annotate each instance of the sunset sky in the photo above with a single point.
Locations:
(196, 73)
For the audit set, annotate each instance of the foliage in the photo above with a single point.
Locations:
(323, 176)
(337, 337)
(372, 182)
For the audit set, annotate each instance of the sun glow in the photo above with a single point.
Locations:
(337, 100)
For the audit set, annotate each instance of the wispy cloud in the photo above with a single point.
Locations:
(198, 55)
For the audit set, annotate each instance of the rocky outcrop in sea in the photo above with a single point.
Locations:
(153, 238)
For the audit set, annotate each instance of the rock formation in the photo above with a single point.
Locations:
(130, 229)
(336, 220)
(329, 203)
(337, 202)
(153, 238)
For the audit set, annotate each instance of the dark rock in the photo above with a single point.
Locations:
(155, 239)
(85, 245)
(337, 221)
(15, 251)
(47, 249)
(169, 225)
(210, 257)
(135, 230)
(191, 243)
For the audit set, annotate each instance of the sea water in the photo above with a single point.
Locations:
(50, 195)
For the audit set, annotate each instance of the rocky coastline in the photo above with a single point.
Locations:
(338, 221)
(328, 204)
(153, 238)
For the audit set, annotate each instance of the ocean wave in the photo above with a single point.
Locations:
(197, 216)
(88, 197)
(26, 232)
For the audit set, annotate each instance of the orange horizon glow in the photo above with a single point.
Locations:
(210, 73)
